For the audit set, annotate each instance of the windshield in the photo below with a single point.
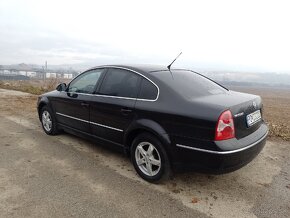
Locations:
(190, 84)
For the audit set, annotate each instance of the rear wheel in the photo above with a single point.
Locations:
(48, 121)
(149, 158)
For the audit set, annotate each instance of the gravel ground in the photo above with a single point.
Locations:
(64, 176)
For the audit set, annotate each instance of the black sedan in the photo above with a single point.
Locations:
(165, 119)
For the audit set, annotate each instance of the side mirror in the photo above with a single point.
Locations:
(61, 87)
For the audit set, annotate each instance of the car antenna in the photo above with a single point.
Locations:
(169, 66)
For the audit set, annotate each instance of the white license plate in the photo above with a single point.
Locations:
(253, 118)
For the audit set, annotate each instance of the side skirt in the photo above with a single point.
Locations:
(92, 138)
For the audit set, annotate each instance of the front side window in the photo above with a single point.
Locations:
(86, 83)
(121, 83)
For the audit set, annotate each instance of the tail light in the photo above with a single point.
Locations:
(225, 128)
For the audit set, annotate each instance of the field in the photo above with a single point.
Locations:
(276, 101)
(35, 87)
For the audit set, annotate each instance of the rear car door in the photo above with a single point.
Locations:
(112, 108)
(72, 108)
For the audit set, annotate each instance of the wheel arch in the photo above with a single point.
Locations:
(148, 126)
(42, 102)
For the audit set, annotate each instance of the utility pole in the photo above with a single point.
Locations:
(44, 71)
(43, 74)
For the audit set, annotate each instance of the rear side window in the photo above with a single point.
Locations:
(148, 90)
(120, 83)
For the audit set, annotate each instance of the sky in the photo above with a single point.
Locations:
(213, 35)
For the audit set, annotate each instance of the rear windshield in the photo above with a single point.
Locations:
(189, 84)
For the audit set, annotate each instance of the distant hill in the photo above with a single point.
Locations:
(22, 66)
(250, 79)
(34, 67)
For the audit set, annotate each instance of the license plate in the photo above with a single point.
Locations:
(253, 118)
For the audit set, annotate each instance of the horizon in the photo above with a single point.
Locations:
(86, 66)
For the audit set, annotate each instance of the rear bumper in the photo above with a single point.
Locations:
(232, 154)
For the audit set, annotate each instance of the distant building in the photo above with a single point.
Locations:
(31, 73)
(50, 75)
(67, 76)
(22, 72)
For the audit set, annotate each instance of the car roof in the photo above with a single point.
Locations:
(142, 68)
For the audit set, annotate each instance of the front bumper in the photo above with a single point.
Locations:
(232, 154)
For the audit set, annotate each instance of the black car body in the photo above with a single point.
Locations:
(186, 119)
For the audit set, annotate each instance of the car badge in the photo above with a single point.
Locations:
(254, 104)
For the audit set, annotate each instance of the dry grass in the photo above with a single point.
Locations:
(35, 87)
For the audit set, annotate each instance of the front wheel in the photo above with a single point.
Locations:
(149, 158)
(48, 121)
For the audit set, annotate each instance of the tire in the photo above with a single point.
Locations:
(48, 121)
(154, 155)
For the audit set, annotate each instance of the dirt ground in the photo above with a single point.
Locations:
(64, 176)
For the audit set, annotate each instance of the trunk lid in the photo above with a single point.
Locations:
(240, 113)
(240, 104)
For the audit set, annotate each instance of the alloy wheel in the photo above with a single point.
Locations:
(46, 121)
(148, 158)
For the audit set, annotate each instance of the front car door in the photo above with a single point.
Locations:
(72, 108)
(112, 108)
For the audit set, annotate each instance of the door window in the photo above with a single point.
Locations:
(86, 83)
(121, 83)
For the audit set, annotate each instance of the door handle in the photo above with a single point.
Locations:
(83, 104)
(126, 111)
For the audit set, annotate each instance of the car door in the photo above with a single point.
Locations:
(112, 108)
(72, 108)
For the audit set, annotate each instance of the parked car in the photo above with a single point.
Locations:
(164, 119)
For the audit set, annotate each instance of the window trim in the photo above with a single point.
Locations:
(141, 99)
(141, 83)
(124, 68)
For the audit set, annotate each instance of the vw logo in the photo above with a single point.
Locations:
(254, 104)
